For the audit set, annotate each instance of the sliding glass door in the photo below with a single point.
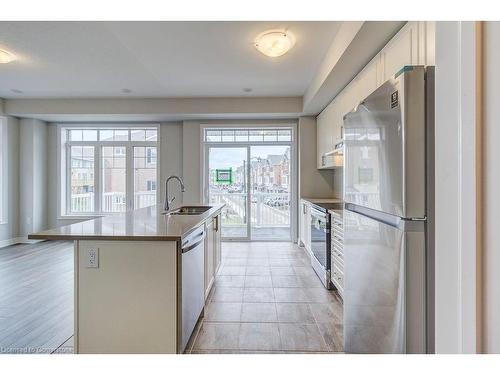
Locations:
(227, 183)
(270, 192)
(252, 174)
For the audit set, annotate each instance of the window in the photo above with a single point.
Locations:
(110, 169)
(248, 135)
(82, 178)
(151, 155)
(151, 185)
(114, 179)
(144, 176)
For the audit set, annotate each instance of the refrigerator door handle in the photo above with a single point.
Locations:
(405, 225)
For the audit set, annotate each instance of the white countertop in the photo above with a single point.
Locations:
(144, 224)
(322, 200)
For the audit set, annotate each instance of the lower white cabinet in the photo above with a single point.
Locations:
(212, 251)
(305, 224)
(337, 252)
(217, 243)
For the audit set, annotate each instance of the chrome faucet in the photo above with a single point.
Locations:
(167, 200)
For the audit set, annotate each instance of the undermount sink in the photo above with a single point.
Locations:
(189, 210)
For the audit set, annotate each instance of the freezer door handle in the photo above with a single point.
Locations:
(405, 225)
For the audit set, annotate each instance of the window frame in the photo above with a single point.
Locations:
(65, 143)
(263, 133)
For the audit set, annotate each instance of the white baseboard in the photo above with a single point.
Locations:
(14, 241)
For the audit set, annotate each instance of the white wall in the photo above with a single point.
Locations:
(170, 159)
(455, 220)
(491, 181)
(338, 183)
(152, 109)
(40, 185)
(10, 229)
(52, 177)
(313, 183)
(33, 214)
(191, 161)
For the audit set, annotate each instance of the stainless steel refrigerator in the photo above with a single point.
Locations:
(388, 194)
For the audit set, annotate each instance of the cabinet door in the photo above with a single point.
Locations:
(324, 134)
(337, 123)
(400, 51)
(320, 144)
(308, 227)
(367, 81)
(217, 244)
(209, 257)
(346, 101)
(349, 98)
(303, 223)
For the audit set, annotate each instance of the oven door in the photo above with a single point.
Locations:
(320, 230)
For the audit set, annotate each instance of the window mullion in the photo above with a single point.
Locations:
(68, 209)
(129, 175)
(97, 179)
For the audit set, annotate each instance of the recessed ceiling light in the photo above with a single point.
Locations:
(247, 89)
(274, 43)
(126, 91)
(6, 57)
(17, 91)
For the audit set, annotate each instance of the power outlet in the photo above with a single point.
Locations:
(93, 258)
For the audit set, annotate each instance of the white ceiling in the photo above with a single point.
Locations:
(157, 59)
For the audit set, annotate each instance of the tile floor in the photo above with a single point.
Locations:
(267, 299)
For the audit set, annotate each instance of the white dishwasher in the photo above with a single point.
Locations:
(193, 281)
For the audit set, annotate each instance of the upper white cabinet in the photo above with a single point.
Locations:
(325, 130)
(412, 45)
(368, 81)
(400, 51)
(330, 122)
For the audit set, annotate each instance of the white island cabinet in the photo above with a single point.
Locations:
(212, 252)
(129, 276)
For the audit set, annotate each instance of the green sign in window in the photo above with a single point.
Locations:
(224, 176)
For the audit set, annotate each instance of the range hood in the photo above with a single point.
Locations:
(335, 158)
(338, 150)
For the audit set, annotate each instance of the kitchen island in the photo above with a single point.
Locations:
(141, 277)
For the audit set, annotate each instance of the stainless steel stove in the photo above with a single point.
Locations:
(321, 241)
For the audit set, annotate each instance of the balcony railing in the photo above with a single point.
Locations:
(267, 209)
(111, 202)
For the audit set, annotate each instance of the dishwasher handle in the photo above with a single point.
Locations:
(193, 241)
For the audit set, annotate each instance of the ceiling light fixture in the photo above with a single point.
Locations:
(6, 57)
(274, 43)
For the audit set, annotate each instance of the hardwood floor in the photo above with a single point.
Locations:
(36, 298)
